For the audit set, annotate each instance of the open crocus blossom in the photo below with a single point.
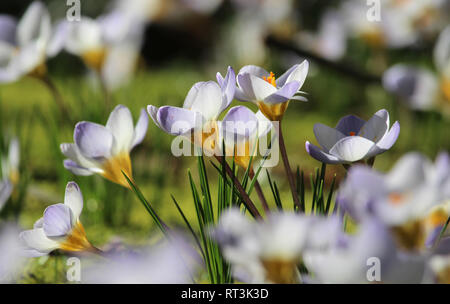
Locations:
(271, 94)
(241, 130)
(263, 252)
(353, 139)
(412, 198)
(197, 119)
(24, 45)
(105, 150)
(59, 228)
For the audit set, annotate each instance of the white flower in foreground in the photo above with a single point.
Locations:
(267, 251)
(10, 249)
(59, 228)
(105, 150)
(173, 262)
(412, 198)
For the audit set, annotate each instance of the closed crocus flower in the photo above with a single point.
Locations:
(241, 130)
(23, 45)
(353, 139)
(271, 94)
(197, 119)
(59, 228)
(10, 171)
(105, 150)
(411, 198)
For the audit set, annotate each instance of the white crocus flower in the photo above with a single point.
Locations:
(105, 150)
(10, 171)
(266, 251)
(59, 228)
(23, 45)
(10, 252)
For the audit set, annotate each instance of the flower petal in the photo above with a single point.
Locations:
(299, 74)
(58, 220)
(284, 94)
(321, 156)
(8, 27)
(253, 70)
(177, 121)
(349, 123)
(228, 86)
(37, 240)
(208, 100)
(376, 127)
(93, 140)
(76, 168)
(74, 199)
(352, 148)
(120, 123)
(327, 137)
(240, 121)
(72, 152)
(35, 24)
(141, 129)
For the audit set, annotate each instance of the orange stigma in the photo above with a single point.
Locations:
(352, 133)
(270, 79)
(396, 198)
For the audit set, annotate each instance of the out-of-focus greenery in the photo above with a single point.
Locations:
(110, 211)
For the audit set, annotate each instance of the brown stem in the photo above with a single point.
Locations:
(248, 202)
(259, 191)
(287, 167)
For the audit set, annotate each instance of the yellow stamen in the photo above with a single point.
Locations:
(77, 240)
(273, 112)
(94, 58)
(410, 236)
(445, 88)
(280, 272)
(112, 169)
(270, 79)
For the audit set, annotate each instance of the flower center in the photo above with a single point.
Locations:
(112, 169)
(396, 198)
(352, 133)
(445, 88)
(94, 58)
(280, 271)
(270, 79)
(76, 240)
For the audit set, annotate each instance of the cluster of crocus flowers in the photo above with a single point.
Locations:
(421, 88)
(59, 228)
(10, 171)
(412, 198)
(105, 150)
(197, 119)
(25, 45)
(271, 94)
(353, 139)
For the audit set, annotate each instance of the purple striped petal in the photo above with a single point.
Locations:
(284, 94)
(93, 140)
(321, 156)
(350, 123)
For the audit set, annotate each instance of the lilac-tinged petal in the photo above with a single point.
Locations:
(35, 24)
(208, 100)
(350, 123)
(120, 123)
(58, 220)
(72, 152)
(141, 129)
(8, 27)
(240, 121)
(76, 168)
(6, 189)
(390, 138)
(241, 96)
(253, 70)
(376, 127)
(191, 95)
(264, 124)
(261, 88)
(74, 199)
(228, 86)
(94, 140)
(36, 240)
(299, 74)
(177, 121)
(352, 148)
(281, 81)
(408, 172)
(327, 137)
(245, 90)
(284, 94)
(321, 156)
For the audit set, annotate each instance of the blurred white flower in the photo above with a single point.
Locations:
(10, 171)
(10, 252)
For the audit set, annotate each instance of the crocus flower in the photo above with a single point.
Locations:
(172, 262)
(59, 228)
(105, 150)
(420, 88)
(411, 198)
(10, 171)
(353, 139)
(197, 119)
(348, 258)
(24, 45)
(261, 252)
(241, 129)
(270, 94)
